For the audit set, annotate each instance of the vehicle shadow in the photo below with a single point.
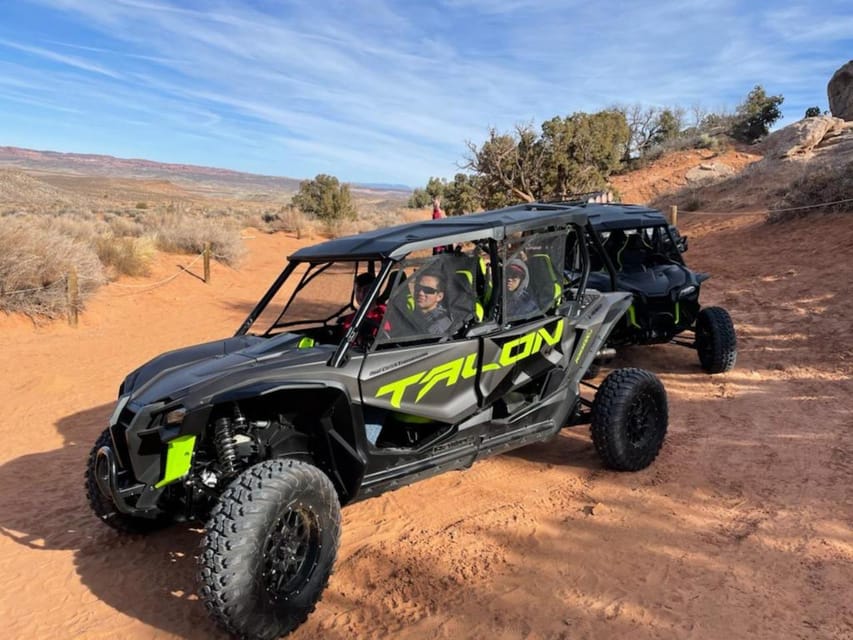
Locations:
(151, 578)
(660, 358)
(570, 448)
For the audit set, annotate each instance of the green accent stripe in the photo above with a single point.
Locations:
(677, 312)
(632, 317)
(178, 459)
(408, 418)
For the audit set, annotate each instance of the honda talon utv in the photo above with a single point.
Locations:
(635, 249)
(370, 363)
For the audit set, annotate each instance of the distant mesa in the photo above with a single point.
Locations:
(91, 165)
(86, 164)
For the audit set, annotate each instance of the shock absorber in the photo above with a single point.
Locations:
(226, 446)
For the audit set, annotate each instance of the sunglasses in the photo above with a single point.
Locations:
(427, 290)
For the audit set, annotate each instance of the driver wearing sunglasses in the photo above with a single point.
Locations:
(429, 294)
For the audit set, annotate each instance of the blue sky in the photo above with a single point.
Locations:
(384, 90)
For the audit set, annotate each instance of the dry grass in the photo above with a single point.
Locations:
(182, 234)
(34, 265)
(107, 227)
(125, 255)
(822, 184)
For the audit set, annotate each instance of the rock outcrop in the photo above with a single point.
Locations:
(840, 92)
(805, 137)
(709, 172)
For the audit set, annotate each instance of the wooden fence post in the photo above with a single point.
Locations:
(207, 262)
(673, 215)
(73, 297)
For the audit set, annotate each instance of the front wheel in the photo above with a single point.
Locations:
(269, 548)
(716, 342)
(629, 419)
(105, 508)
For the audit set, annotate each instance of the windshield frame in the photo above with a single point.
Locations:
(313, 269)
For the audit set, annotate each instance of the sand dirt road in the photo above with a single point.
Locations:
(740, 529)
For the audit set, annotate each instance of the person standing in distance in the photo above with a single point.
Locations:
(438, 214)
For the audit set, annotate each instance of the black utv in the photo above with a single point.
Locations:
(372, 362)
(635, 249)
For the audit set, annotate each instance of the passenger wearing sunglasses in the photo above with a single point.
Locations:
(429, 294)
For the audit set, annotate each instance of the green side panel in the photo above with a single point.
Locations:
(178, 459)
(632, 317)
(408, 418)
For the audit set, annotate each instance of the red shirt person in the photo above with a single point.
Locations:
(373, 318)
(438, 214)
(436, 209)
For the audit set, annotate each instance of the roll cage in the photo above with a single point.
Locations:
(546, 235)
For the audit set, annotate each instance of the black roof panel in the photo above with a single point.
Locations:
(622, 216)
(400, 240)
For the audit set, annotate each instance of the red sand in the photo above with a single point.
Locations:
(741, 528)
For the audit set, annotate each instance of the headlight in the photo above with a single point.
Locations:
(687, 291)
(175, 416)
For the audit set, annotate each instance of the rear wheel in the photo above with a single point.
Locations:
(105, 508)
(269, 548)
(716, 342)
(629, 419)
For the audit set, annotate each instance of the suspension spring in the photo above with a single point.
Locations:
(226, 446)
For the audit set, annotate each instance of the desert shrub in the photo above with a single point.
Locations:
(34, 264)
(327, 199)
(122, 227)
(693, 202)
(292, 220)
(756, 115)
(812, 112)
(824, 184)
(125, 255)
(188, 234)
(419, 199)
(79, 228)
(141, 205)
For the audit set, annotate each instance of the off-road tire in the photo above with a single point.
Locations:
(105, 508)
(629, 419)
(716, 342)
(284, 509)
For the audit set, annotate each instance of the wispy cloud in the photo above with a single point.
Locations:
(388, 90)
(71, 61)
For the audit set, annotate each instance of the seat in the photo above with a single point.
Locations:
(389, 285)
(545, 283)
(474, 276)
(632, 256)
(614, 244)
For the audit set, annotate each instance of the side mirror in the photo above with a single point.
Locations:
(682, 244)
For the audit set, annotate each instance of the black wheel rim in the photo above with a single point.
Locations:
(291, 552)
(641, 420)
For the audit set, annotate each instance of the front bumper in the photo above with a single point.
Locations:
(137, 499)
(143, 459)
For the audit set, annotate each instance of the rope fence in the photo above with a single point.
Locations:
(55, 283)
(72, 282)
(782, 210)
(160, 283)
